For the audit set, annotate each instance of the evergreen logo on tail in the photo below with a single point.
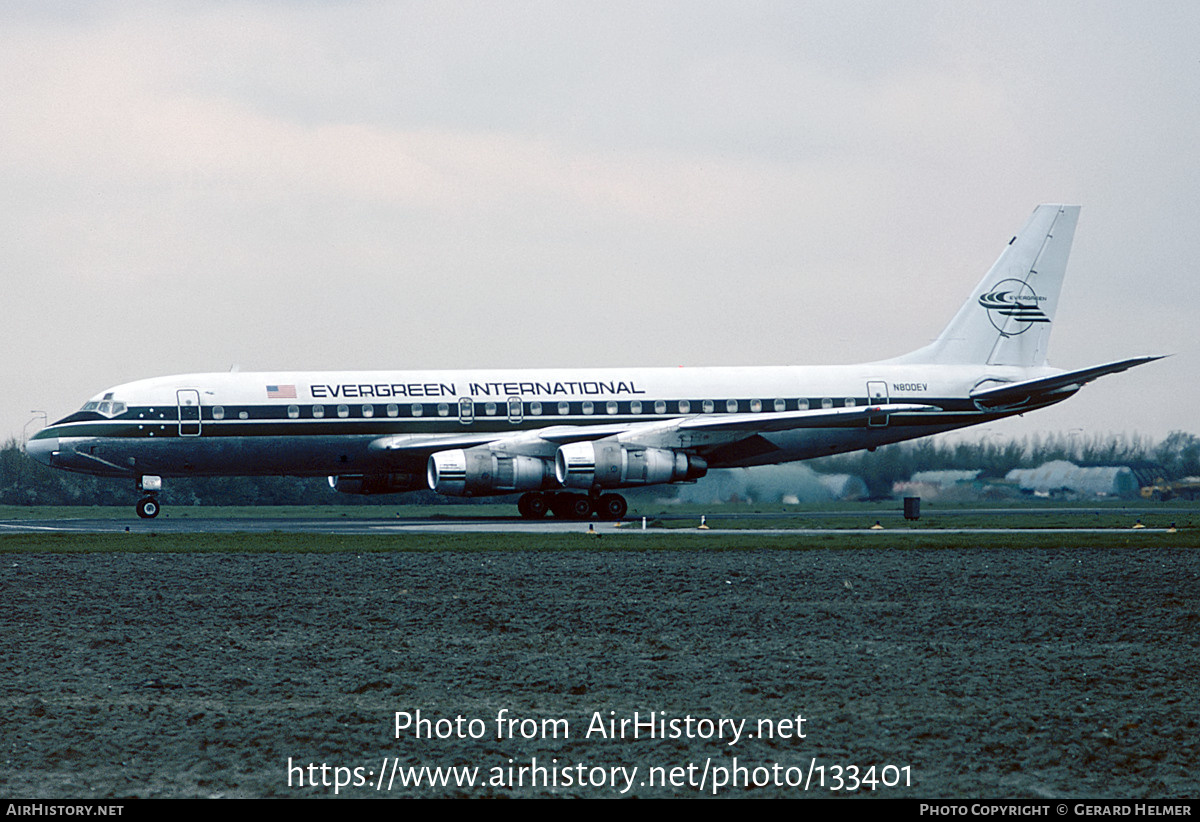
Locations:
(1012, 307)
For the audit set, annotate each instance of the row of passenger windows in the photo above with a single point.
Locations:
(563, 408)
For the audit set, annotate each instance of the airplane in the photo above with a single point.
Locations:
(568, 439)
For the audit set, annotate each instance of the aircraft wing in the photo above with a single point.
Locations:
(737, 424)
(720, 429)
(697, 429)
(1029, 392)
(417, 444)
(788, 420)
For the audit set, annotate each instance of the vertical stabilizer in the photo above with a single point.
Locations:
(1008, 317)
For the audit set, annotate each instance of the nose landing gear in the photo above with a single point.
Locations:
(148, 506)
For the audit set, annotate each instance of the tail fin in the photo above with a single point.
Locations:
(1008, 318)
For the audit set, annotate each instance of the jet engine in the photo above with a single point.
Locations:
(375, 483)
(612, 465)
(481, 471)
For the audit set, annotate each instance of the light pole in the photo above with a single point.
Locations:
(36, 413)
(1075, 437)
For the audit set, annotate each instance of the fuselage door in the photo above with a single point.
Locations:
(189, 412)
(877, 394)
(466, 410)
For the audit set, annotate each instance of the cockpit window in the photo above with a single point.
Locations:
(108, 407)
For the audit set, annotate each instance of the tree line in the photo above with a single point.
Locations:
(1176, 456)
(26, 482)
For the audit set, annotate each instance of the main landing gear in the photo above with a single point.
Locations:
(148, 507)
(534, 505)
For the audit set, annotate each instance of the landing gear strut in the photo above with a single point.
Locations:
(147, 507)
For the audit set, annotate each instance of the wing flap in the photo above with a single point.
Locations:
(788, 420)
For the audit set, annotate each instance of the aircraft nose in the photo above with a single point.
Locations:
(42, 449)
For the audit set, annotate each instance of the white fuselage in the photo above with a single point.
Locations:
(329, 423)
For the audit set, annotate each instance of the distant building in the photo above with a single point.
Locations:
(951, 486)
(844, 486)
(944, 479)
(1062, 478)
(789, 484)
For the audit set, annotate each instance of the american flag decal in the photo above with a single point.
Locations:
(281, 392)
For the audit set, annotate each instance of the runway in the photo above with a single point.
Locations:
(469, 525)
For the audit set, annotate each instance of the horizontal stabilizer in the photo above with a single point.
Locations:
(1030, 392)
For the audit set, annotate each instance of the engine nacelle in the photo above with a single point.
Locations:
(482, 472)
(612, 465)
(376, 483)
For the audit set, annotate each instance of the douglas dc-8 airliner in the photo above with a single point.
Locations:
(568, 438)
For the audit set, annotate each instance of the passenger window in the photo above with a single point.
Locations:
(707, 406)
(611, 407)
(535, 408)
(780, 405)
(443, 409)
(588, 407)
(850, 403)
(490, 409)
(368, 410)
(564, 408)
(660, 407)
(293, 412)
(827, 403)
(731, 406)
(218, 412)
(343, 410)
(801, 405)
(417, 409)
(318, 412)
(684, 406)
(635, 407)
(755, 406)
(393, 410)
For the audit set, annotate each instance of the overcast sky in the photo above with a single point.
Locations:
(360, 185)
